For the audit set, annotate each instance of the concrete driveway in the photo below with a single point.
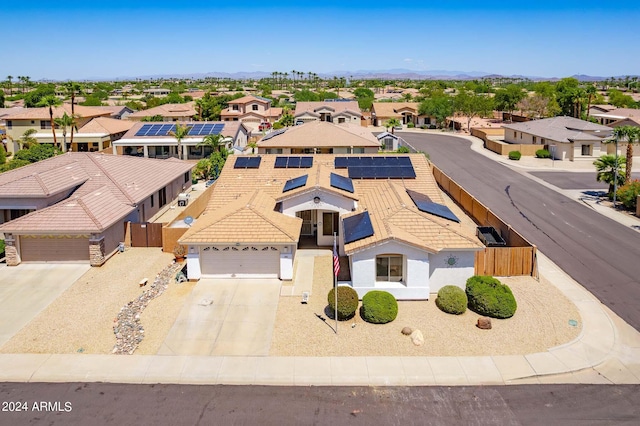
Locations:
(26, 289)
(225, 317)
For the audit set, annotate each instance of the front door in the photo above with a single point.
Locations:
(307, 223)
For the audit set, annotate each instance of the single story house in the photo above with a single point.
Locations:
(73, 207)
(320, 137)
(394, 231)
(618, 117)
(168, 112)
(337, 111)
(567, 138)
(149, 139)
(404, 112)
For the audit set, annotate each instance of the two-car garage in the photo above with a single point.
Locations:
(254, 261)
(54, 248)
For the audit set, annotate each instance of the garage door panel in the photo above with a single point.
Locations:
(42, 249)
(254, 262)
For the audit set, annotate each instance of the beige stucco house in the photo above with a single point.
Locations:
(252, 111)
(168, 112)
(404, 112)
(337, 111)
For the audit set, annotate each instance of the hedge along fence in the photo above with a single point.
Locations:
(170, 236)
(517, 258)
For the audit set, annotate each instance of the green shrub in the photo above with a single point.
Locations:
(514, 155)
(347, 302)
(628, 194)
(543, 153)
(452, 300)
(488, 296)
(379, 307)
(403, 150)
(411, 125)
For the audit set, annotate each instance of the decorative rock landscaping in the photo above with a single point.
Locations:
(127, 327)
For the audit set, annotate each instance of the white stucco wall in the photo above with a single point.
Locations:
(441, 274)
(415, 285)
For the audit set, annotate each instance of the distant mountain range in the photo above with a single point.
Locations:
(391, 74)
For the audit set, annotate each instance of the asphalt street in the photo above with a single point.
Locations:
(121, 404)
(599, 253)
(574, 180)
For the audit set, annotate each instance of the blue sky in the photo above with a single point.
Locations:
(77, 40)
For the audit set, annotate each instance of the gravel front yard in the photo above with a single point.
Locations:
(541, 322)
(81, 319)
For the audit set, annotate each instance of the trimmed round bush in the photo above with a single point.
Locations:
(489, 297)
(452, 300)
(379, 307)
(514, 155)
(543, 153)
(347, 302)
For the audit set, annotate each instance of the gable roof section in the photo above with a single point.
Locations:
(43, 113)
(250, 98)
(333, 107)
(106, 125)
(391, 109)
(185, 110)
(562, 129)
(249, 219)
(318, 134)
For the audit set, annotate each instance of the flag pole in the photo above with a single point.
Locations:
(335, 281)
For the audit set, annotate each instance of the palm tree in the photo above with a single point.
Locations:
(213, 141)
(64, 122)
(72, 90)
(51, 101)
(591, 91)
(633, 137)
(26, 140)
(9, 78)
(606, 167)
(393, 123)
(182, 130)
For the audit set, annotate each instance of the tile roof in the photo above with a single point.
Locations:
(619, 113)
(390, 109)
(562, 129)
(351, 106)
(230, 129)
(316, 134)
(240, 194)
(106, 125)
(168, 110)
(43, 113)
(250, 98)
(107, 186)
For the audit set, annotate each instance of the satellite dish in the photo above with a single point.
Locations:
(188, 220)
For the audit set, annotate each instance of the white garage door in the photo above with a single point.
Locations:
(54, 249)
(240, 262)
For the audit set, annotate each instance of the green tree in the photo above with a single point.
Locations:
(33, 98)
(609, 170)
(37, 152)
(3, 155)
(27, 139)
(620, 100)
(50, 101)
(10, 84)
(73, 89)
(630, 135)
(181, 132)
(63, 123)
(506, 99)
(393, 123)
(591, 92)
(470, 105)
(1, 99)
(91, 101)
(213, 141)
(570, 97)
(439, 107)
(286, 120)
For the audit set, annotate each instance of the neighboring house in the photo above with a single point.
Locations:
(263, 206)
(389, 141)
(574, 139)
(599, 109)
(169, 112)
(618, 117)
(99, 134)
(319, 137)
(119, 112)
(337, 111)
(73, 207)
(154, 141)
(404, 112)
(39, 120)
(252, 111)
(157, 92)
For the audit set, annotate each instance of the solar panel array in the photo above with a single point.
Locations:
(247, 163)
(295, 183)
(272, 134)
(163, 129)
(424, 204)
(357, 227)
(293, 162)
(341, 182)
(378, 167)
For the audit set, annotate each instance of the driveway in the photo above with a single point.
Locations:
(225, 317)
(26, 289)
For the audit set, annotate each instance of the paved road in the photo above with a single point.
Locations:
(574, 180)
(121, 404)
(602, 255)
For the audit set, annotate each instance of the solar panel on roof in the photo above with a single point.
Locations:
(253, 162)
(404, 161)
(424, 204)
(293, 163)
(340, 162)
(306, 162)
(272, 134)
(357, 227)
(281, 163)
(295, 183)
(341, 182)
(241, 163)
(144, 129)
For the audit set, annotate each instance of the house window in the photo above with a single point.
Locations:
(274, 150)
(9, 124)
(542, 141)
(162, 197)
(152, 200)
(341, 120)
(520, 135)
(44, 124)
(535, 140)
(515, 134)
(389, 268)
(254, 107)
(186, 177)
(330, 223)
(235, 107)
(357, 151)
(586, 150)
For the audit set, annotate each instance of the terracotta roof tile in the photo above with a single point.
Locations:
(318, 134)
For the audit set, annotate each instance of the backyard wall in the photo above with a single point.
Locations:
(503, 148)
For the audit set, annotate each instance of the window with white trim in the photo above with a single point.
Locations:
(389, 267)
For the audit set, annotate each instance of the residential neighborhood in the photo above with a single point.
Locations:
(281, 221)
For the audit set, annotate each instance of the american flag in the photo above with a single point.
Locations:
(336, 259)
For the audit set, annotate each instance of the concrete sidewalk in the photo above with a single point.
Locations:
(606, 351)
